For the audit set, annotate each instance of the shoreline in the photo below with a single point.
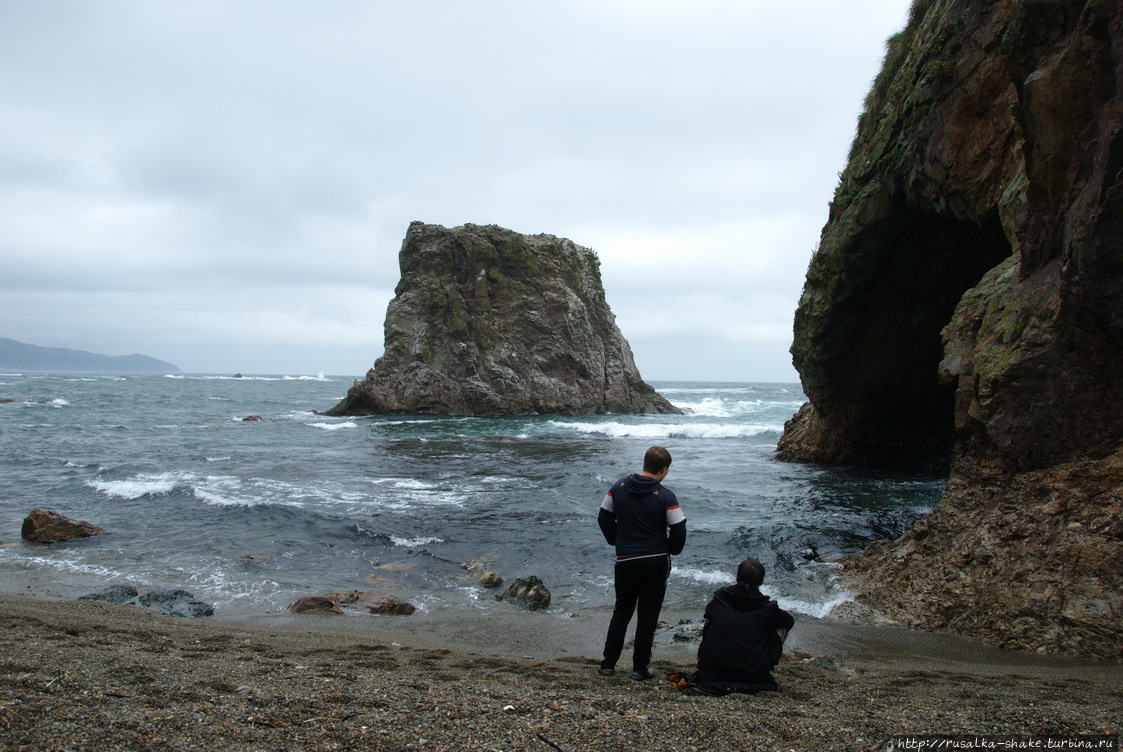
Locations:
(87, 675)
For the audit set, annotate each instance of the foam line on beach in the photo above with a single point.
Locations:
(669, 430)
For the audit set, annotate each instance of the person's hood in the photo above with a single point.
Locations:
(742, 597)
(640, 484)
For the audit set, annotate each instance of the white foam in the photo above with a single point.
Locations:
(59, 402)
(320, 377)
(410, 483)
(414, 542)
(818, 609)
(333, 426)
(136, 487)
(218, 500)
(670, 430)
(710, 577)
(59, 564)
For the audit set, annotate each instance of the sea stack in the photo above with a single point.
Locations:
(486, 321)
(965, 306)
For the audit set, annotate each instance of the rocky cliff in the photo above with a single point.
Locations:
(486, 321)
(964, 306)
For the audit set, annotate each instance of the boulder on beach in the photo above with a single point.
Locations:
(116, 594)
(527, 591)
(176, 603)
(172, 602)
(373, 601)
(52, 527)
(317, 603)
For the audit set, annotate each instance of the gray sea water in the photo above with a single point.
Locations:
(251, 515)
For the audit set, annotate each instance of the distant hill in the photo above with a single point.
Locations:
(17, 356)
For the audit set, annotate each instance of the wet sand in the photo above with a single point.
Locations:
(81, 675)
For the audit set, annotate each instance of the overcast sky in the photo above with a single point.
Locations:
(226, 185)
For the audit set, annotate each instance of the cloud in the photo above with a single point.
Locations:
(242, 174)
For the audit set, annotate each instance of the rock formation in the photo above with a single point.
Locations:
(372, 601)
(172, 602)
(486, 321)
(52, 527)
(528, 591)
(965, 304)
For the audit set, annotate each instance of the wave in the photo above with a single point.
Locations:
(216, 377)
(414, 542)
(716, 578)
(333, 426)
(714, 407)
(216, 490)
(319, 377)
(136, 487)
(818, 600)
(671, 430)
(817, 609)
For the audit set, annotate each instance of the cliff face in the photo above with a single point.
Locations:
(486, 321)
(966, 304)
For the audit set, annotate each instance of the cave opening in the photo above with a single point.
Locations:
(894, 404)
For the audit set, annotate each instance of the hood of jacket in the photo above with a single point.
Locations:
(743, 597)
(640, 484)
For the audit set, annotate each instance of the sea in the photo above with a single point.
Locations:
(249, 515)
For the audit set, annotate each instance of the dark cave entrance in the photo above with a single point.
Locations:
(900, 411)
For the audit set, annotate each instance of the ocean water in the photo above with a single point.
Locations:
(249, 515)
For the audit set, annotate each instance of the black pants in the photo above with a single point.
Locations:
(640, 584)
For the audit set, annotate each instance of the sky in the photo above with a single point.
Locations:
(226, 185)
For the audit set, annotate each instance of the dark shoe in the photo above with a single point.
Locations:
(643, 673)
(606, 671)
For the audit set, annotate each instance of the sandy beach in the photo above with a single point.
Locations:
(81, 675)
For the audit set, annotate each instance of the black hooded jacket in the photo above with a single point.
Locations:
(641, 517)
(743, 635)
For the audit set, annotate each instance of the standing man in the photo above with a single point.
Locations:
(643, 520)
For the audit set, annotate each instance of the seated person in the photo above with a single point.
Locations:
(743, 637)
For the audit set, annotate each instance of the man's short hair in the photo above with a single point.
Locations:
(750, 572)
(656, 459)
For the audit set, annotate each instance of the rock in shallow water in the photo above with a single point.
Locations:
(527, 591)
(374, 601)
(52, 527)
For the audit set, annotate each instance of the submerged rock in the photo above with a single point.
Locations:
(527, 591)
(486, 321)
(51, 527)
(490, 580)
(965, 305)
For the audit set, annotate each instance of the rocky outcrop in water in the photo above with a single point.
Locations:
(370, 601)
(965, 305)
(486, 321)
(51, 527)
(529, 592)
